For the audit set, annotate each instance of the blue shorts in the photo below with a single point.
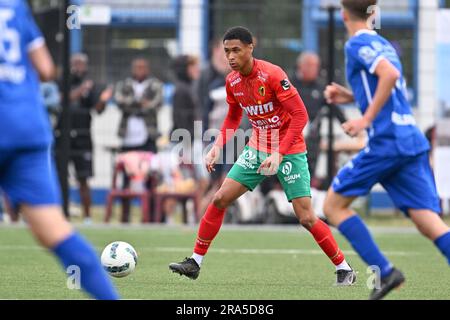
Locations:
(28, 176)
(409, 181)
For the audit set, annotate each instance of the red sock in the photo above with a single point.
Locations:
(209, 227)
(324, 238)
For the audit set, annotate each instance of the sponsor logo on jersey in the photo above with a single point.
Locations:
(235, 82)
(262, 76)
(287, 171)
(247, 160)
(403, 119)
(238, 94)
(287, 168)
(367, 54)
(285, 84)
(258, 109)
(249, 155)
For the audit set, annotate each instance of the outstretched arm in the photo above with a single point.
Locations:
(387, 77)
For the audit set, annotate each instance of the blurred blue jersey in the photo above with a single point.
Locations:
(23, 119)
(394, 131)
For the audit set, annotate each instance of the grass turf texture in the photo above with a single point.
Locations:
(250, 263)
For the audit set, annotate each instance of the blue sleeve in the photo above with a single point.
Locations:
(364, 54)
(31, 34)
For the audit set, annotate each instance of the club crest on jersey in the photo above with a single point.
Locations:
(262, 91)
(285, 84)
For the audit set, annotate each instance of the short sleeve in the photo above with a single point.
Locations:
(365, 54)
(281, 85)
(230, 95)
(31, 34)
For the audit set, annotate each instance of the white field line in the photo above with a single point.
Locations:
(228, 227)
(223, 251)
(275, 251)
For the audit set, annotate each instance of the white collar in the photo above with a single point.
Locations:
(365, 31)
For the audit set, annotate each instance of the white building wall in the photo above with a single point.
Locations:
(427, 97)
(191, 25)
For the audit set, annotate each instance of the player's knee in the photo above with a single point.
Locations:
(327, 209)
(331, 207)
(220, 201)
(308, 221)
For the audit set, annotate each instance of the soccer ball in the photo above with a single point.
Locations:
(119, 259)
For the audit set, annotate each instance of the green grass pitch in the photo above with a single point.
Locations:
(244, 263)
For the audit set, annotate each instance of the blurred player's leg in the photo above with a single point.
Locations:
(414, 187)
(53, 231)
(324, 238)
(337, 209)
(209, 227)
(431, 226)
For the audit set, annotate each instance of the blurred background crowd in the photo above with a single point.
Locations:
(140, 70)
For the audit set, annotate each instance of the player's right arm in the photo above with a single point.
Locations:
(38, 52)
(229, 127)
(337, 94)
(43, 63)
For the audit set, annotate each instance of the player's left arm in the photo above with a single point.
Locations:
(387, 77)
(293, 104)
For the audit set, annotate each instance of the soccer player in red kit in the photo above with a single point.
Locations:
(278, 116)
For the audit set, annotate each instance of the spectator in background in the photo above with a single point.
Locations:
(212, 77)
(185, 104)
(140, 98)
(186, 110)
(85, 96)
(310, 86)
(214, 108)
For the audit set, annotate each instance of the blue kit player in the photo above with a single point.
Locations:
(396, 155)
(27, 174)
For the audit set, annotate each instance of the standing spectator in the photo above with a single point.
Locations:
(212, 77)
(214, 108)
(185, 103)
(308, 83)
(140, 98)
(186, 69)
(85, 96)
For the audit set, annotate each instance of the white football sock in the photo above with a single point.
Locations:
(198, 258)
(343, 266)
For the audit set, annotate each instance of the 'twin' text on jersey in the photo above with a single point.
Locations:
(260, 96)
(394, 131)
(23, 119)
